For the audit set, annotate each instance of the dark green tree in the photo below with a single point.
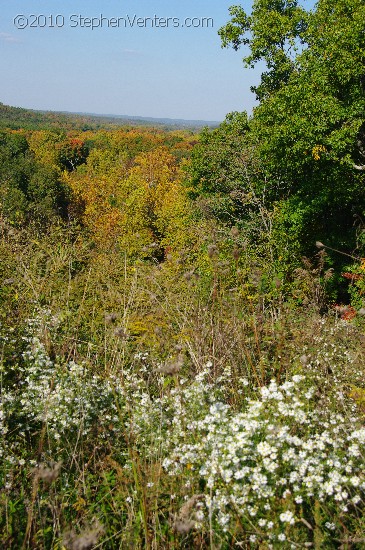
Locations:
(217, 168)
(309, 127)
(29, 190)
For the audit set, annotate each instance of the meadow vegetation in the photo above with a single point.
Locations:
(182, 319)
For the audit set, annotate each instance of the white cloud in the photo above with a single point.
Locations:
(5, 37)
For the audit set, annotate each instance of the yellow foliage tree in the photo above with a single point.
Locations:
(142, 210)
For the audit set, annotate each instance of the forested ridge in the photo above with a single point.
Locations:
(19, 118)
(182, 314)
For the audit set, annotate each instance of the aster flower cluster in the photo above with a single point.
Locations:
(3, 428)
(65, 397)
(267, 464)
(334, 360)
(74, 403)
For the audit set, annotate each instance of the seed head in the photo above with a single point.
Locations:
(173, 367)
(48, 473)
(110, 318)
(183, 526)
(189, 275)
(121, 333)
(235, 232)
(236, 253)
(212, 250)
(183, 522)
(277, 283)
(85, 540)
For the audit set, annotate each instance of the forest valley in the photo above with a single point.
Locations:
(182, 320)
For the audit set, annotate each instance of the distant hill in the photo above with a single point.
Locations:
(18, 117)
(180, 122)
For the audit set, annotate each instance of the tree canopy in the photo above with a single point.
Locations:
(309, 127)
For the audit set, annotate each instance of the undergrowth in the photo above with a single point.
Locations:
(176, 404)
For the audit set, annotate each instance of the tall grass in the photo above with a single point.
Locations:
(192, 403)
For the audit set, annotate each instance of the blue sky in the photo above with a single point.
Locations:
(157, 72)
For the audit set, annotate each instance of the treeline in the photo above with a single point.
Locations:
(16, 118)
